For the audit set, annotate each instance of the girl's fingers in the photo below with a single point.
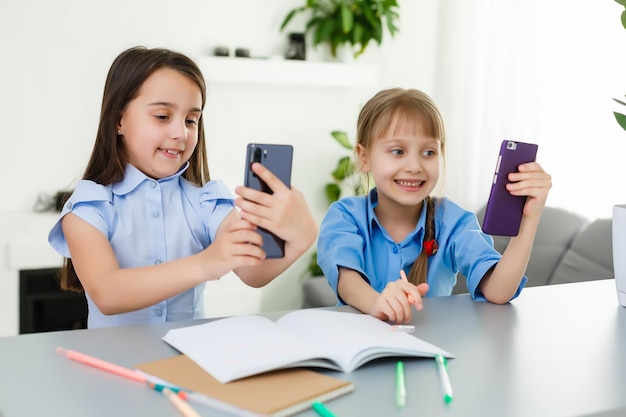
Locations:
(270, 179)
(423, 289)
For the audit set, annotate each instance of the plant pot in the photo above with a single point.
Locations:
(619, 251)
(345, 54)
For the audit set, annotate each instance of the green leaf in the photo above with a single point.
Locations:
(358, 189)
(390, 17)
(378, 33)
(393, 29)
(622, 2)
(323, 31)
(288, 18)
(333, 192)
(369, 15)
(620, 102)
(312, 23)
(624, 19)
(343, 169)
(378, 6)
(347, 19)
(314, 268)
(342, 138)
(621, 119)
(363, 46)
(357, 34)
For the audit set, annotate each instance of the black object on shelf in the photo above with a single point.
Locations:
(221, 51)
(45, 307)
(242, 53)
(297, 47)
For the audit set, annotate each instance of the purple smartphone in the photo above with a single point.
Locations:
(503, 214)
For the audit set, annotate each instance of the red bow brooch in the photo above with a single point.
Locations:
(430, 247)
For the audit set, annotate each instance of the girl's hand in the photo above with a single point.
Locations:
(236, 244)
(531, 181)
(500, 285)
(394, 302)
(284, 213)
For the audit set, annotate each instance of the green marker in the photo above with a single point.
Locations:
(322, 410)
(442, 366)
(400, 386)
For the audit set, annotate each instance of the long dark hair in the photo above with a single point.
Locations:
(417, 108)
(108, 159)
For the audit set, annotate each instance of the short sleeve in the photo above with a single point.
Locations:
(340, 243)
(472, 250)
(215, 202)
(91, 202)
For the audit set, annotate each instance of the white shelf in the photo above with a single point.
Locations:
(287, 72)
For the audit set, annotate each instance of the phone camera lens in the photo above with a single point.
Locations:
(511, 145)
(257, 155)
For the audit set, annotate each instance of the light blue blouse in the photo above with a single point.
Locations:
(149, 222)
(352, 237)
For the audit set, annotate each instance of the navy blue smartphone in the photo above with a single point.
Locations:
(504, 211)
(278, 159)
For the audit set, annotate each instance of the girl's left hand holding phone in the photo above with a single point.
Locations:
(535, 183)
(284, 213)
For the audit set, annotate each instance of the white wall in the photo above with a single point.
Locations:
(54, 59)
(537, 71)
(55, 55)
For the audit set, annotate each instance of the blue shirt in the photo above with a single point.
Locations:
(351, 236)
(148, 222)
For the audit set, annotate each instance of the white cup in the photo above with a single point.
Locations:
(619, 251)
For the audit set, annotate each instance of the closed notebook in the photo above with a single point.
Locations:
(278, 393)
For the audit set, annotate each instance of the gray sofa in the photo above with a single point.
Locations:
(567, 248)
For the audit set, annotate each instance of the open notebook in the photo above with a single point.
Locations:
(276, 394)
(241, 346)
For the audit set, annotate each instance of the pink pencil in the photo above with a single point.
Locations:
(100, 364)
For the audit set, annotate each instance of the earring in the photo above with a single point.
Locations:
(119, 131)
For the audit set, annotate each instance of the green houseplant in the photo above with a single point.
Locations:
(344, 180)
(344, 177)
(354, 23)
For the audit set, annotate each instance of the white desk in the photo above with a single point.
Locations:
(556, 351)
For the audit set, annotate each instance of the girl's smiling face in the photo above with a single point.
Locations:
(160, 125)
(404, 164)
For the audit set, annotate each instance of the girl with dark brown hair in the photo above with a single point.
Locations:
(146, 227)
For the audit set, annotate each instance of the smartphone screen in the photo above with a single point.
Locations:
(278, 159)
(503, 213)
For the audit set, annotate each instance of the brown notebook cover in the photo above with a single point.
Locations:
(277, 393)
